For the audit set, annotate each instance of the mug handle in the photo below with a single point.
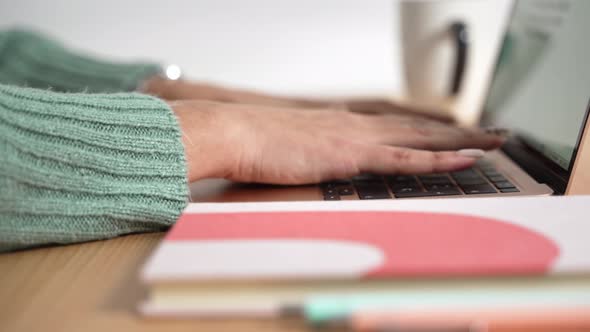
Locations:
(461, 38)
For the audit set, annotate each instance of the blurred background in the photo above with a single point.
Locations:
(303, 47)
(294, 47)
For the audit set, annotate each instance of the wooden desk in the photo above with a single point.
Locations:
(92, 287)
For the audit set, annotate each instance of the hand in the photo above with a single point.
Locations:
(188, 90)
(286, 146)
(383, 106)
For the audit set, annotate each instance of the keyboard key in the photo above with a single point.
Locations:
(478, 189)
(435, 179)
(434, 187)
(414, 194)
(374, 195)
(372, 191)
(329, 191)
(446, 192)
(400, 178)
(491, 173)
(327, 185)
(412, 182)
(439, 183)
(504, 185)
(400, 185)
(345, 191)
(497, 178)
(467, 176)
(406, 190)
(331, 198)
(465, 173)
(471, 182)
(487, 169)
(509, 190)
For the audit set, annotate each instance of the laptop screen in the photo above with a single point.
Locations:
(541, 84)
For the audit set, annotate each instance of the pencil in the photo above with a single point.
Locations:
(489, 320)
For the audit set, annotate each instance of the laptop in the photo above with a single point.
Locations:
(539, 90)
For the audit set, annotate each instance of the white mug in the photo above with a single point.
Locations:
(449, 48)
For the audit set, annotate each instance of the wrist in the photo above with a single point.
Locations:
(158, 86)
(202, 138)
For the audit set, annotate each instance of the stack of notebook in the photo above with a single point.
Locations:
(327, 260)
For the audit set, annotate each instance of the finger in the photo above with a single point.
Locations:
(394, 160)
(461, 138)
(420, 133)
(436, 136)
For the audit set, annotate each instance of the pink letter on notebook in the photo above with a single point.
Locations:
(412, 243)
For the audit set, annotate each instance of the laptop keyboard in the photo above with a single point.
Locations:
(483, 178)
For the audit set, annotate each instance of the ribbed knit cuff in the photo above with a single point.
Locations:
(30, 59)
(79, 167)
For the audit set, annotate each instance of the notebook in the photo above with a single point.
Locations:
(255, 259)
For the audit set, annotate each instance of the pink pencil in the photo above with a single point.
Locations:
(493, 320)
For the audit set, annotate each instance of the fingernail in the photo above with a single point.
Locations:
(471, 153)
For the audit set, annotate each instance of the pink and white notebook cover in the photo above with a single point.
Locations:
(375, 239)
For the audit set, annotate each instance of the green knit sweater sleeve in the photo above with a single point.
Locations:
(30, 59)
(77, 167)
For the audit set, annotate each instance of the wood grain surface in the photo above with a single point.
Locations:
(93, 287)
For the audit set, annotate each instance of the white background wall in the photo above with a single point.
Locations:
(313, 47)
